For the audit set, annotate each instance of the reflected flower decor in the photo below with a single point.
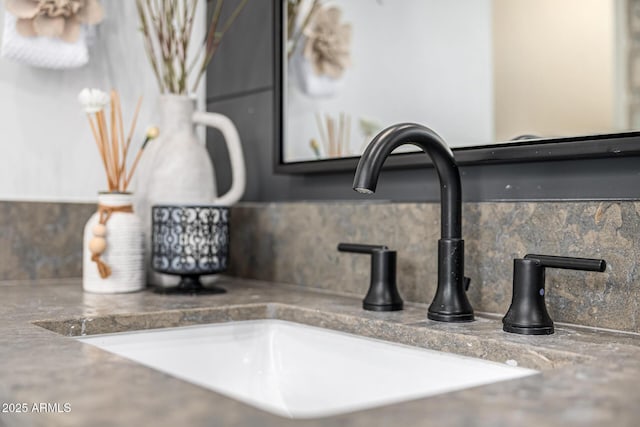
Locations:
(327, 42)
(54, 18)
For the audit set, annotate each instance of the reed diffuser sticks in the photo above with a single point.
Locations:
(335, 134)
(109, 137)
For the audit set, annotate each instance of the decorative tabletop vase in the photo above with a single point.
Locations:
(177, 169)
(113, 252)
(190, 241)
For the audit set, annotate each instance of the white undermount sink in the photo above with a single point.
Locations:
(301, 371)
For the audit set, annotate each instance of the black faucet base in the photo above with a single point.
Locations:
(452, 318)
(450, 304)
(540, 330)
(385, 307)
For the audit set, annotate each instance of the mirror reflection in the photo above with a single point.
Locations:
(476, 71)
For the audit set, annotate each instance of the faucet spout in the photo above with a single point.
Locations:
(450, 303)
(385, 142)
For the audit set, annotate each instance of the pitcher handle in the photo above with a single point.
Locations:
(232, 139)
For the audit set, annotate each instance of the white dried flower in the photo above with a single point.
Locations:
(54, 18)
(93, 100)
(152, 132)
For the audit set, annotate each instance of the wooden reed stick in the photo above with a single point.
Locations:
(98, 143)
(112, 144)
(332, 136)
(122, 166)
(133, 169)
(133, 123)
(128, 143)
(109, 149)
(340, 133)
(323, 136)
(102, 128)
(115, 146)
(124, 143)
(348, 135)
(135, 163)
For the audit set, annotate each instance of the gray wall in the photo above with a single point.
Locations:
(240, 84)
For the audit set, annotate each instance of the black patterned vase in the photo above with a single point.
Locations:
(190, 241)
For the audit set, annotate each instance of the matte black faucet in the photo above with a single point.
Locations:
(450, 303)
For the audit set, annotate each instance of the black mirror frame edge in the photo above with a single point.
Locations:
(626, 144)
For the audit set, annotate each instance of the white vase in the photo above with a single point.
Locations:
(311, 84)
(177, 169)
(124, 253)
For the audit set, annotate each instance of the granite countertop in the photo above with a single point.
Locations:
(588, 376)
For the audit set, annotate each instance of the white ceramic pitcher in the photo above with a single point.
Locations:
(176, 169)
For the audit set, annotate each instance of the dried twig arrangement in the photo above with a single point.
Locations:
(110, 140)
(167, 26)
(335, 134)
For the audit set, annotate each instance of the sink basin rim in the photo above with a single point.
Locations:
(304, 411)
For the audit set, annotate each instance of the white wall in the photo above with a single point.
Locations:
(560, 78)
(46, 148)
(413, 61)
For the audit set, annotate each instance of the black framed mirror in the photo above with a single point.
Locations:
(569, 96)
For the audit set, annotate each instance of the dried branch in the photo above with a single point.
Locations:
(167, 26)
(214, 38)
(294, 36)
(148, 44)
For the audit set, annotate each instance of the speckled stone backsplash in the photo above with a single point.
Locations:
(41, 240)
(296, 243)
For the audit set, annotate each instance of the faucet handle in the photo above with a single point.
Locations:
(383, 292)
(528, 314)
(570, 263)
(360, 248)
